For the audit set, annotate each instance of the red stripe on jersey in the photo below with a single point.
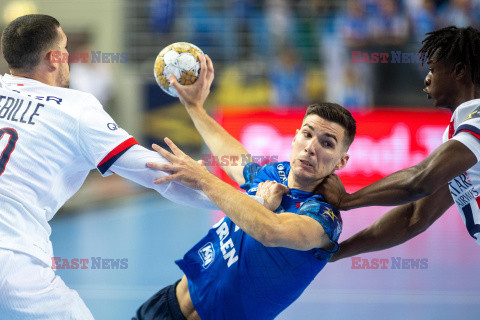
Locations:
(478, 201)
(476, 135)
(122, 146)
(451, 130)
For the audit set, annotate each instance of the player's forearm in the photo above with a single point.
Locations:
(392, 229)
(448, 161)
(220, 142)
(246, 213)
(398, 188)
(398, 225)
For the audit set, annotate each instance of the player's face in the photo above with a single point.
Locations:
(318, 149)
(440, 84)
(63, 72)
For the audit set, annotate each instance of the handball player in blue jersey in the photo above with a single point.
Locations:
(259, 259)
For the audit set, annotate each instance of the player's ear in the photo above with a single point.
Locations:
(460, 70)
(342, 162)
(52, 58)
(295, 137)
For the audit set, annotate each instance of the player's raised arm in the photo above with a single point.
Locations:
(289, 230)
(398, 225)
(218, 140)
(448, 161)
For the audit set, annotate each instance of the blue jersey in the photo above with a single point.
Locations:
(233, 276)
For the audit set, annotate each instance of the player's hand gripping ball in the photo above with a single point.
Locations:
(180, 59)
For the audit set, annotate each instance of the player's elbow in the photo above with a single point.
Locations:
(420, 183)
(418, 222)
(268, 236)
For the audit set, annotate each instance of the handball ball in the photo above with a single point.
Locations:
(180, 59)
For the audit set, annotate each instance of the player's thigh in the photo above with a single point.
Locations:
(31, 290)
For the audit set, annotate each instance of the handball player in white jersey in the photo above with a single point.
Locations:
(451, 174)
(50, 138)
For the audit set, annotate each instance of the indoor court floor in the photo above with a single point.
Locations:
(152, 232)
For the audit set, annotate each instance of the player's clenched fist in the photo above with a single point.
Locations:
(272, 193)
(332, 190)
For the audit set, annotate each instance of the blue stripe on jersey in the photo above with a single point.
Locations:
(233, 276)
(472, 228)
(468, 127)
(116, 153)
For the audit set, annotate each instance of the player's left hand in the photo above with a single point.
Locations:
(332, 189)
(182, 168)
(194, 95)
(272, 193)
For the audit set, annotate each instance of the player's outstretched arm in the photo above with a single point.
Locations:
(288, 230)
(398, 225)
(218, 140)
(448, 161)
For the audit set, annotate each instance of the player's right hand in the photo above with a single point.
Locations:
(332, 190)
(272, 193)
(194, 95)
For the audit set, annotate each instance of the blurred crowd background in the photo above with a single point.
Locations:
(272, 58)
(268, 54)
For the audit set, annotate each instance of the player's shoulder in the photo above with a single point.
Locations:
(467, 111)
(77, 97)
(278, 169)
(255, 173)
(317, 203)
(329, 217)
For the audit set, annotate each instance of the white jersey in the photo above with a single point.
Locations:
(50, 138)
(465, 189)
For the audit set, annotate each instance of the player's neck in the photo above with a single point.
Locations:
(46, 78)
(464, 95)
(294, 184)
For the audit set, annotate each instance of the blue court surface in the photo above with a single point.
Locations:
(434, 276)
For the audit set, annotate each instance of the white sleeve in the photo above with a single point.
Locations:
(132, 166)
(470, 141)
(101, 140)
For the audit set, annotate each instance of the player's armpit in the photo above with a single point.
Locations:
(397, 225)
(298, 232)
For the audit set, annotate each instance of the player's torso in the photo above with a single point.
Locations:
(249, 280)
(465, 189)
(41, 165)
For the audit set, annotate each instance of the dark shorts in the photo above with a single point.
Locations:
(163, 305)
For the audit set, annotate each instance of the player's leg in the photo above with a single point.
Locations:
(163, 305)
(31, 290)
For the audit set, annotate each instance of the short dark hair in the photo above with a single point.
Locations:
(335, 113)
(453, 45)
(26, 38)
